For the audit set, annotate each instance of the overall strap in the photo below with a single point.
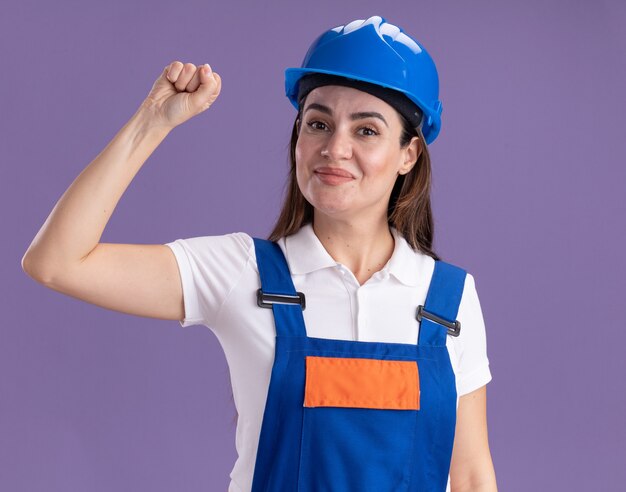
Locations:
(438, 315)
(277, 291)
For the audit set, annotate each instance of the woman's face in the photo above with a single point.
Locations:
(348, 153)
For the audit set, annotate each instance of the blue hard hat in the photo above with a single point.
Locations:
(380, 53)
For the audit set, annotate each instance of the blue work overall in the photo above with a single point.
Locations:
(401, 441)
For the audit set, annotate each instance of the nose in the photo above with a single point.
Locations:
(338, 146)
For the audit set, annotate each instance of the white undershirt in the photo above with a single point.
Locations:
(220, 277)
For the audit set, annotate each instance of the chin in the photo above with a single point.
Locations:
(327, 205)
(331, 210)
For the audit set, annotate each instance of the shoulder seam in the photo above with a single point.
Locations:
(235, 284)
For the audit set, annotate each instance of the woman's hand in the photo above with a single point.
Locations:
(181, 92)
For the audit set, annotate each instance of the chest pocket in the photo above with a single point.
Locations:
(359, 424)
(361, 383)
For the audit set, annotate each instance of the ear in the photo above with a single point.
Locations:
(411, 153)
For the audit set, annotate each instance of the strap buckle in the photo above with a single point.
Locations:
(265, 300)
(454, 328)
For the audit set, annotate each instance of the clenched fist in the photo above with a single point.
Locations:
(180, 92)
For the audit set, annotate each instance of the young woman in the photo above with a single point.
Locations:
(357, 356)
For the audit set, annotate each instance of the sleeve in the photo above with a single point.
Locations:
(473, 370)
(209, 267)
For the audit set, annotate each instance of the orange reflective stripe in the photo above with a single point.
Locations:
(363, 383)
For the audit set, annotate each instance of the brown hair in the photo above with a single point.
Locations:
(409, 208)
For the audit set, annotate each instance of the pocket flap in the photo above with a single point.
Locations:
(361, 383)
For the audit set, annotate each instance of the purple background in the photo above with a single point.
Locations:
(529, 196)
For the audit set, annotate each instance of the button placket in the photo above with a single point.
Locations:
(361, 299)
(351, 285)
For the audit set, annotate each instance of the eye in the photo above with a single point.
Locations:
(368, 129)
(313, 124)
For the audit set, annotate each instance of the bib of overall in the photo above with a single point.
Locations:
(356, 416)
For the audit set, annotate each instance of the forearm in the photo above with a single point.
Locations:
(77, 221)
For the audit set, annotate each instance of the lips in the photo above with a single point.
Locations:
(333, 176)
(334, 171)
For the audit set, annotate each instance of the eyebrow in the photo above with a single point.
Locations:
(353, 116)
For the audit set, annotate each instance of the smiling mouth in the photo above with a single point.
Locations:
(329, 171)
(333, 177)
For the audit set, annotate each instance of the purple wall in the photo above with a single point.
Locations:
(529, 196)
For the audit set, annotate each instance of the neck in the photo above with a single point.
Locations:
(363, 246)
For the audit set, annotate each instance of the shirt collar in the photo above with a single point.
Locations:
(406, 264)
(305, 254)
